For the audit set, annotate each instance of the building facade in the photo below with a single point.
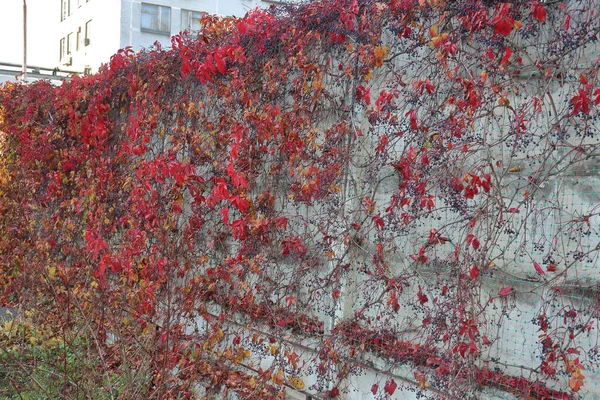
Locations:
(92, 30)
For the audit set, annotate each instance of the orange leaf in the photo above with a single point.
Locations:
(575, 384)
(277, 377)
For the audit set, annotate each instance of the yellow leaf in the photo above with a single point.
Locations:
(273, 349)
(380, 53)
(438, 40)
(52, 272)
(433, 31)
(298, 383)
(278, 377)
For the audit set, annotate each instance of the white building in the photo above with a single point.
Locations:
(91, 31)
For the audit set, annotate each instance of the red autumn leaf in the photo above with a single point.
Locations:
(420, 257)
(363, 94)
(240, 203)
(551, 268)
(412, 115)
(505, 291)
(378, 222)
(485, 340)
(427, 201)
(473, 241)
(335, 293)
(474, 272)
(383, 142)
(502, 22)
(581, 102)
(335, 392)
(374, 389)
(597, 94)
(421, 296)
(281, 222)
(425, 85)
(225, 214)
(538, 269)
(220, 64)
(538, 11)
(390, 387)
(506, 57)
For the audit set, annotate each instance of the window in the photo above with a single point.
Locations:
(78, 39)
(190, 20)
(69, 43)
(64, 9)
(156, 18)
(88, 27)
(62, 49)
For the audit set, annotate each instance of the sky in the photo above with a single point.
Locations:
(43, 18)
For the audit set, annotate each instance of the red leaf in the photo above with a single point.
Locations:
(220, 64)
(374, 389)
(580, 102)
(378, 222)
(474, 272)
(383, 142)
(505, 291)
(538, 269)
(281, 222)
(412, 115)
(225, 214)
(502, 22)
(486, 341)
(538, 11)
(240, 203)
(422, 297)
(473, 241)
(390, 387)
(335, 392)
(421, 257)
(506, 57)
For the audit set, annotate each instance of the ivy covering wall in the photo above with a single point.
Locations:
(289, 201)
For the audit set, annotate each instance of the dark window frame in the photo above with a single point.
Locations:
(158, 12)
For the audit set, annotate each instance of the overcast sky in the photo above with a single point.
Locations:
(43, 17)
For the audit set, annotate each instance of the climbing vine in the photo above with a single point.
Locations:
(312, 193)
